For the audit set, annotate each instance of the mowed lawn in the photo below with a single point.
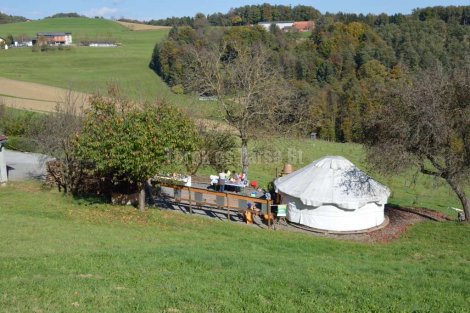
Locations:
(60, 255)
(91, 69)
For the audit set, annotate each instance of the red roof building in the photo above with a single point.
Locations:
(304, 26)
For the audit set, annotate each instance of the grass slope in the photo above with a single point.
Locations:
(90, 69)
(59, 256)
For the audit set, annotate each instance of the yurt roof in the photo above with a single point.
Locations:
(333, 180)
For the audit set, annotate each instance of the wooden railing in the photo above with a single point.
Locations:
(195, 197)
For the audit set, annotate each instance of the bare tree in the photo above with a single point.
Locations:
(427, 124)
(216, 148)
(55, 134)
(248, 87)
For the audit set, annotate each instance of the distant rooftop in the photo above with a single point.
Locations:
(276, 22)
(53, 33)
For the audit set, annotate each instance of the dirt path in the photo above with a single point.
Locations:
(141, 27)
(32, 96)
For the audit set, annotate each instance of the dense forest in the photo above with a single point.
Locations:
(7, 19)
(340, 71)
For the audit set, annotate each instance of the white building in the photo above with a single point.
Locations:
(285, 25)
(24, 43)
(3, 165)
(333, 194)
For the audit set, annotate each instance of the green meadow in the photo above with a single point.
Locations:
(90, 69)
(58, 254)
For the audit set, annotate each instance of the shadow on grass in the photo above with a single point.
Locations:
(165, 202)
(87, 200)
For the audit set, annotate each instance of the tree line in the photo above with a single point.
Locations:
(339, 72)
(7, 19)
(253, 14)
(245, 15)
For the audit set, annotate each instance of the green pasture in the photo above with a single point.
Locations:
(91, 69)
(63, 255)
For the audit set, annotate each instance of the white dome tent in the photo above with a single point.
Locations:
(333, 194)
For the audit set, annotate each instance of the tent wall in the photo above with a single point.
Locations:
(330, 217)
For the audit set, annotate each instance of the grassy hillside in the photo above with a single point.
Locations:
(57, 255)
(91, 69)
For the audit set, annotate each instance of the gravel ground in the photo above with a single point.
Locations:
(22, 165)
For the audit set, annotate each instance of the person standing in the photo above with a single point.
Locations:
(222, 179)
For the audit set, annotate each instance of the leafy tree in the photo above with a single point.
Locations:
(131, 143)
(9, 40)
(427, 124)
(200, 21)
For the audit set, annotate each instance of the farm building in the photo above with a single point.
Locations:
(97, 43)
(24, 42)
(282, 25)
(304, 26)
(3, 166)
(54, 38)
(333, 194)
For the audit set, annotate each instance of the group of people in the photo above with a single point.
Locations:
(228, 176)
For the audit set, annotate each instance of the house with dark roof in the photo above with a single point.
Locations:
(54, 38)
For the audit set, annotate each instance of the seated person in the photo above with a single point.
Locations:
(235, 178)
(214, 179)
(251, 212)
(267, 195)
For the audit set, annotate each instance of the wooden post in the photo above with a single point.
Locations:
(227, 205)
(269, 213)
(190, 204)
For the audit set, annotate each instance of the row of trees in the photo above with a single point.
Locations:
(7, 19)
(253, 14)
(246, 15)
